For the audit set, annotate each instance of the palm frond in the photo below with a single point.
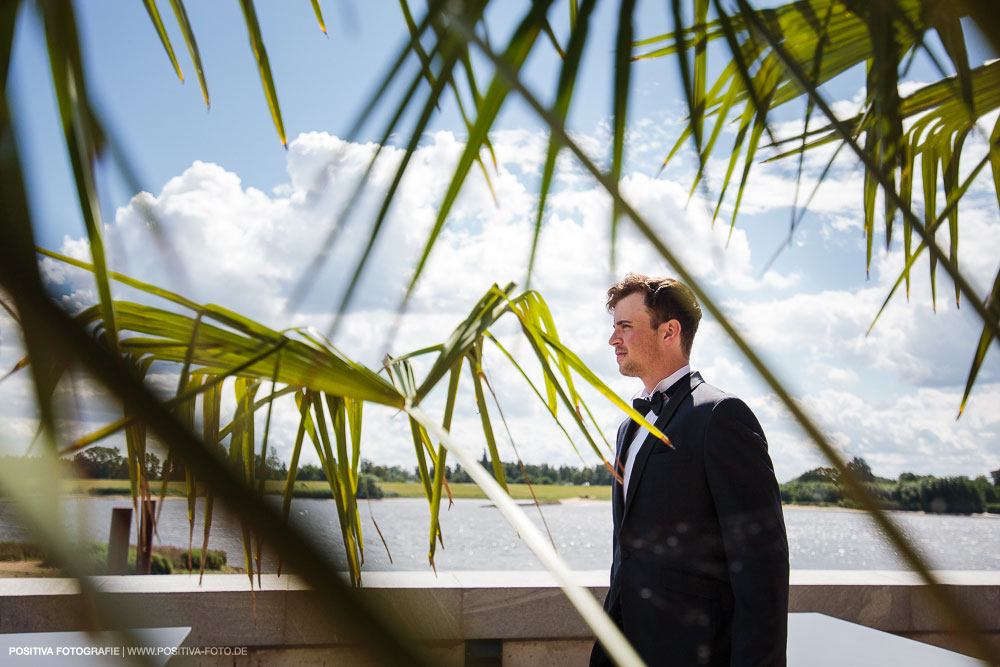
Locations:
(154, 16)
(778, 55)
(564, 95)
(263, 66)
(607, 632)
(192, 45)
(619, 104)
(516, 53)
(959, 618)
(66, 62)
(319, 15)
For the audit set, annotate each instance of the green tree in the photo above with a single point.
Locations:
(986, 489)
(954, 495)
(101, 463)
(861, 470)
(274, 468)
(310, 473)
(459, 476)
(818, 475)
(153, 466)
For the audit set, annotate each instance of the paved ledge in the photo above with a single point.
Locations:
(526, 611)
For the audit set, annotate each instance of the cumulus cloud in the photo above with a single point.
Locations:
(915, 432)
(246, 249)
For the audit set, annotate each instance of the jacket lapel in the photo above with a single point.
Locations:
(626, 431)
(647, 445)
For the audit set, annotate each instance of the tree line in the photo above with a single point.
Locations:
(109, 463)
(819, 486)
(535, 474)
(910, 492)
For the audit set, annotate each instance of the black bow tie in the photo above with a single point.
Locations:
(657, 400)
(654, 403)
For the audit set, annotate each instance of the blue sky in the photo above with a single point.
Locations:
(244, 214)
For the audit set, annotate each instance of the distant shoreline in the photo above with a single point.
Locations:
(546, 494)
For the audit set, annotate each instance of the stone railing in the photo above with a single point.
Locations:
(521, 617)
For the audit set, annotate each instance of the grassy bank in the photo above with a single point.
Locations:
(120, 487)
(544, 492)
(92, 557)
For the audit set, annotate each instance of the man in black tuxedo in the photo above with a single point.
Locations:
(700, 568)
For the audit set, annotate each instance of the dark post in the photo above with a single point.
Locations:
(144, 543)
(121, 528)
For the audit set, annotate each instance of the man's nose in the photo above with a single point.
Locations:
(615, 338)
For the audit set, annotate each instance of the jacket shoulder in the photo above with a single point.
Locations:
(714, 403)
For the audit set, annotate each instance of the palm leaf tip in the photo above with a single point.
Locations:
(319, 16)
(263, 67)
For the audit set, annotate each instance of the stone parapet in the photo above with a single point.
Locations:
(521, 616)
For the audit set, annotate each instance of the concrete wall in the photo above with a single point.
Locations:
(522, 616)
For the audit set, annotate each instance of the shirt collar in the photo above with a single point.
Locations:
(666, 382)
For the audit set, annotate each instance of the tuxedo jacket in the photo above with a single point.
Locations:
(700, 568)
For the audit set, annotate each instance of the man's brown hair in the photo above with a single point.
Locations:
(666, 299)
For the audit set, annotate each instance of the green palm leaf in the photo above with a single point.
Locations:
(263, 66)
(985, 340)
(319, 15)
(8, 18)
(772, 53)
(607, 632)
(517, 51)
(74, 112)
(192, 46)
(958, 617)
(623, 70)
(442, 457)
(564, 95)
(154, 16)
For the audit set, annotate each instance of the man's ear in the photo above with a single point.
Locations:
(669, 329)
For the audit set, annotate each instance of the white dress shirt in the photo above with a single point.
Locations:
(640, 436)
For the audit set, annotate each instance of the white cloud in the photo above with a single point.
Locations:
(246, 249)
(909, 433)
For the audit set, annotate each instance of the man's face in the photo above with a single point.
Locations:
(635, 341)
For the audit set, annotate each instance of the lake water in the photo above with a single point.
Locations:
(476, 537)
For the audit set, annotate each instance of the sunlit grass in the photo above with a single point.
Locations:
(544, 492)
(114, 487)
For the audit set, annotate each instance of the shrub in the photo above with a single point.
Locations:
(214, 559)
(993, 508)
(908, 495)
(91, 557)
(950, 495)
(178, 558)
(368, 487)
(107, 491)
(810, 493)
(306, 492)
(160, 563)
(989, 492)
(10, 551)
(167, 560)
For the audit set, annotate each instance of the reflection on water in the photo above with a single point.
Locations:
(476, 537)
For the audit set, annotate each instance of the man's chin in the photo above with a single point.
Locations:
(627, 370)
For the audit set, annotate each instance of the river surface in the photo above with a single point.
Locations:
(476, 536)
